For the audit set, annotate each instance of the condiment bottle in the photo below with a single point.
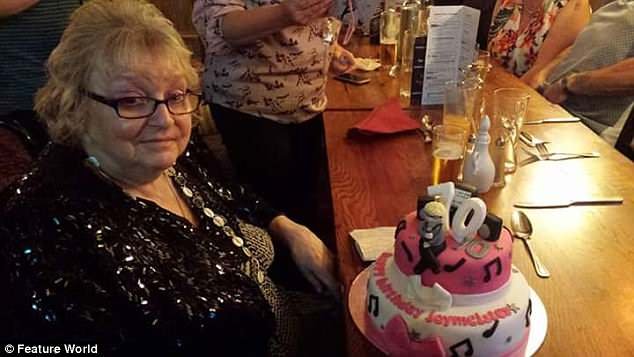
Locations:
(478, 169)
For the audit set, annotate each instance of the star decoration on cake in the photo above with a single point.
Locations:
(469, 281)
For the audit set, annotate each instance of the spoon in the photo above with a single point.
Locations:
(523, 229)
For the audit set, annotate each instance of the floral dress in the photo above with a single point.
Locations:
(517, 50)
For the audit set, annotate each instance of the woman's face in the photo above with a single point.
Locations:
(137, 148)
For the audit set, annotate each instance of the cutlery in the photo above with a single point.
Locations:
(531, 140)
(523, 229)
(567, 203)
(552, 120)
(556, 156)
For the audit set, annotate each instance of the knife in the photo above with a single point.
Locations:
(553, 120)
(568, 203)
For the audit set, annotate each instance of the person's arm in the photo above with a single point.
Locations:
(343, 60)
(614, 80)
(12, 7)
(312, 257)
(569, 22)
(539, 79)
(241, 28)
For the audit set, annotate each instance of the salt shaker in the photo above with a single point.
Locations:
(478, 169)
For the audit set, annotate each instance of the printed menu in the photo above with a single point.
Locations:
(451, 43)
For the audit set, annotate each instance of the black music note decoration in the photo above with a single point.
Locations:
(529, 311)
(468, 352)
(373, 300)
(451, 268)
(401, 226)
(410, 258)
(489, 332)
(498, 264)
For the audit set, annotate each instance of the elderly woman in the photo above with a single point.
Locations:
(527, 35)
(119, 236)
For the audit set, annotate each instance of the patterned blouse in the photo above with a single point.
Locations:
(517, 51)
(281, 76)
(82, 261)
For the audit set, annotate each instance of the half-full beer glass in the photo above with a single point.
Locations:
(448, 150)
(390, 25)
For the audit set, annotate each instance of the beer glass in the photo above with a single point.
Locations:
(455, 108)
(390, 24)
(447, 151)
(509, 107)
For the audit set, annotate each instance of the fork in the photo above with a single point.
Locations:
(530, 140)
(556, 156)
(542, 149)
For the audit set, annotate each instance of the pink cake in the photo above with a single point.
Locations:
(467, 300)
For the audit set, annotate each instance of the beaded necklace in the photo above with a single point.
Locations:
(252, 266)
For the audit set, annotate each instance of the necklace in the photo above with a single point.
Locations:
(185, 213)
(252, 266)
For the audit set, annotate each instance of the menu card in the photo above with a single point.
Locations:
(451, 43)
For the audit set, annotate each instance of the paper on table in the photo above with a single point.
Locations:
(371, 242)
(367, 64)
(450, 44)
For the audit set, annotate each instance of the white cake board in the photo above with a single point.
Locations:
(356, 306)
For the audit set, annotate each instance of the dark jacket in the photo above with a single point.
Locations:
(81, 261)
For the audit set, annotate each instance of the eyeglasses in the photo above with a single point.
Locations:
(143, 107)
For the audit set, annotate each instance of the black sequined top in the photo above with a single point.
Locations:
(84, 262)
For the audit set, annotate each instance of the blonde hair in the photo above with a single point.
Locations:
(104, 37)
(434, 209)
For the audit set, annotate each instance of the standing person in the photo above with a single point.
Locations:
(525, 35)
(266, 65)
(121, 236)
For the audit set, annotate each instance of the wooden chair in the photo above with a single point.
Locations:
(625, 141)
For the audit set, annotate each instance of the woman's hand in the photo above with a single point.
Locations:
(342, 61)
(302, 12)
(309, 253)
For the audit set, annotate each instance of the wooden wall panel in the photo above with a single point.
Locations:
(180, 12)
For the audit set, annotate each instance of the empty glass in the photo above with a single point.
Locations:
(509, 106)
(456, 108)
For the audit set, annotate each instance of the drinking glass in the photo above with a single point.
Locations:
(509, 107)
(474, 99)
(390, 25)
(447, 151)
(455, 109)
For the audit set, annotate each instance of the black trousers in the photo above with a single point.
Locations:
(285, 163)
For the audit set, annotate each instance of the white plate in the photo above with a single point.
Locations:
(536, 336)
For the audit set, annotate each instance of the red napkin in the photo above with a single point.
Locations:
(388, 118)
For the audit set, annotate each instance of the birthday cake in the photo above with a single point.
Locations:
(449, 289)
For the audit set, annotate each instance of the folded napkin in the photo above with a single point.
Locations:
(387, 118)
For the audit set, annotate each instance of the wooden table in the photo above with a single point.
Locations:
(376, 180)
